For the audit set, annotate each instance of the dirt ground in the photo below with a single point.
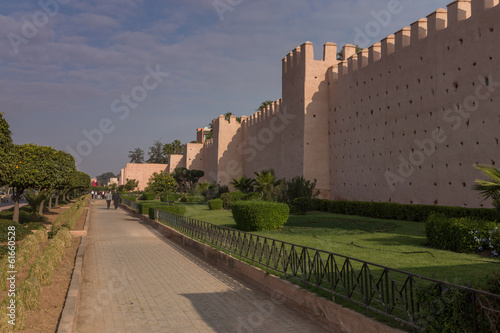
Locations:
(52, 297)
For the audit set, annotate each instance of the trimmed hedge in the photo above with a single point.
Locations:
(128, 197)
(171, 197)
(259, 215)
(177, 209)
(193, 199)
(215, 204)
(144, 206)
(148, 196)
(395, 211)
(463, 234)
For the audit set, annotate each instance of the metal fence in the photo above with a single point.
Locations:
(132, 204)
(407, 298)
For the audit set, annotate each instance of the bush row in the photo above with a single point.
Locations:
(388, 210)
(170, 197)
(28, 249)
(28, 291)
(128, 197)
(177, 209)
(193, 198)
(43, 268)
(68, 214)
(464, 234)
(259, 215)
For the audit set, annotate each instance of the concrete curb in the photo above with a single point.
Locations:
(67, 324)
(332, 316)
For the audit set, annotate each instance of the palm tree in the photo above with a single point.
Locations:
(35, 200)
(243, 184)
(265, 180)
(489, 188)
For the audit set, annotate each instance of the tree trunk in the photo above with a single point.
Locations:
(50, 202)
(56, 204)
(40, 209)
(16, 198)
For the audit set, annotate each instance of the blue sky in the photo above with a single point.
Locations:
(66, 65)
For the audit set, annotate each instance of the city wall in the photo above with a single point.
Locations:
(410, 116)
(402, 121)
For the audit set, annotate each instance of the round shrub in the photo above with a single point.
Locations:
(259, 215)
(215, 204)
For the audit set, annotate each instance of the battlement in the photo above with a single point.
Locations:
(441, 19)
(222, 119)
(260, 116)
(305, 53)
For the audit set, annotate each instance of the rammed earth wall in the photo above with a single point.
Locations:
(403, 121)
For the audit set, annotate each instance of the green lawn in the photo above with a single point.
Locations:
(396, 244)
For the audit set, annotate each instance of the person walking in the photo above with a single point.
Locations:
(109, 197)
(116, 199)
(92, 194)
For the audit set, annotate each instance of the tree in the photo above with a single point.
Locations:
(243, 184)
(340, 56)
(489, 188)
(105, 177)
(161, 183)
(136, 155)
(156, 154)
(186, 178)
(6, 151)
(175, 147)
(34, 167)
(64, 167)
(66, 172)
(267, 185)
(130, 185)
(35, 200)
(264, 105)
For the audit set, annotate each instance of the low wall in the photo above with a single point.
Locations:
(333, 316)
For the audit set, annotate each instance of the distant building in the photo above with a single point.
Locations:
(202, 134)
(141, 172)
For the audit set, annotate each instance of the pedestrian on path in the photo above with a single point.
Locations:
(92, 194)
(109, 197)
(116, 199)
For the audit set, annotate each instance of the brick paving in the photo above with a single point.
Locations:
(135, 280)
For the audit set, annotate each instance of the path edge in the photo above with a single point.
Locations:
(330, 315)
(67, 323)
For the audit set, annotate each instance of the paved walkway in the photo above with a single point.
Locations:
(134, 280)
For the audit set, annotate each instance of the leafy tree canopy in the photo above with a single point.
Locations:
(105, 177)
(136, 155)
(186, 178)
(160, 183)
(130, 185)
(156, 154)
(264, 105)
